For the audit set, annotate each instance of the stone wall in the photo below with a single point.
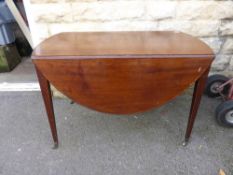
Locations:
(210, 20)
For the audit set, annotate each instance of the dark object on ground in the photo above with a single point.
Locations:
(21, 42)
(224, 113)
(219, 85)
(9, 57)
(23, 47)
(213, 82)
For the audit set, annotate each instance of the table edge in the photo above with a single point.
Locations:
(151, 56)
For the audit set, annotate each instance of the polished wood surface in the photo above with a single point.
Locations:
(123, 72)
(197, 93)
(47, 96)
(122, 86)
(78, 45)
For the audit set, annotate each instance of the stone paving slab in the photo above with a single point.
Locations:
(103, 144)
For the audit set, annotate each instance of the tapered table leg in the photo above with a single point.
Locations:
(197, 93)
(47, 96)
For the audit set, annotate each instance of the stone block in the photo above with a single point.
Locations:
(227, 46)
(107, 10)
(226, 28)
(104, 26)
(57, 93)
(157, 10)
(205, 10)
(221, 62)
(230, 67)
(52, 13)
(215, 43)
(195, 28)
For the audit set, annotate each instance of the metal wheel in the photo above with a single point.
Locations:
(229, 116)
(224, 113)
(213, 84)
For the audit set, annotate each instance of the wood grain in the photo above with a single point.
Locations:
(197, 93)
(92, 45)
(47, 97)
(122, 86)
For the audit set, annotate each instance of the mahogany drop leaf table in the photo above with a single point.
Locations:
(122, 72)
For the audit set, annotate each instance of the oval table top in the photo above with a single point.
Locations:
(152, 44)
(122, 72)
